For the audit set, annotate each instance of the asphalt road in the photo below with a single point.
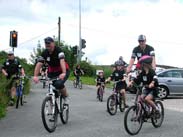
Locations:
(88, 117)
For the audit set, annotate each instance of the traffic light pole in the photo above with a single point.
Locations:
(79, 50)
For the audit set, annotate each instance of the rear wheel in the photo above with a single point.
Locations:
(101, 92)
(80, 84)
(133, 120)
(74, 83)
(49, 113)
(121, 103)
(18, 96)
(157, 119)
(112, 104)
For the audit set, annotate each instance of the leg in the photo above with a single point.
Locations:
(149, 100)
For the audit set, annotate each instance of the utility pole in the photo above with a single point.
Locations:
(59, 26)
(79, 51)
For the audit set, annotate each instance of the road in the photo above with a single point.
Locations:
(88, 117)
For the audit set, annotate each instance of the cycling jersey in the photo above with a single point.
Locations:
(100, 80)
(78, 71)
(11, 67)
(117, 75)
(138, 52)
(53, 61)
(146, 79)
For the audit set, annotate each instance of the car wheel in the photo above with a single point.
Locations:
(163, 92)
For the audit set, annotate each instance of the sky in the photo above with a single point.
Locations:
(110, 27)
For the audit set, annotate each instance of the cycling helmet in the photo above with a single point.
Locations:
(141, 37)
(118, 63)
(145, 60)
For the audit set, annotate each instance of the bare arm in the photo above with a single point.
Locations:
(37, 69)
(132, 60)
(4, 72)
(63, 67)
(154, 63)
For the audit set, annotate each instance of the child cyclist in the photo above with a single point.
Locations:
(118, 76)
(149, 80)
(100, 81)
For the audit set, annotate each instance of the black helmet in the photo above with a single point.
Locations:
(118, 63)
(141, 37)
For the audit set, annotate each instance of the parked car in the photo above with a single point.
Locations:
(170, 82)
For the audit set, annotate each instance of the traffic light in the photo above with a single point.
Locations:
(83, 43)
(13, 38)
(75, 50)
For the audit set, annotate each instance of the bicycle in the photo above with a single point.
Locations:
(52, 105)
(19, 90)
(78, 83)
(140, 112)
(100, 91)
(114, 100)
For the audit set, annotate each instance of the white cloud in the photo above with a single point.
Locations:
(111, 28)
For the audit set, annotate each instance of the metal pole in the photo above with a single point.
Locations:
(79, 52)
(59, 31)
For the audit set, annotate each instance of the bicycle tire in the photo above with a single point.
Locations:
(121, 103)
(74, 84)
(44, 84)
(43, 115)
(161, 117)
(18, 96)
(113, 106)
(80, 84)
(100, 94)
(135, 119)
(64, 108)
(21, 100)
(17, 102)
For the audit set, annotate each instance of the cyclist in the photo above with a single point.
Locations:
(100, 79)
(11, 68)
(119, 75)
(141, 50)
(149, 79)
(57, 66)
(78, 72)
(44, 70)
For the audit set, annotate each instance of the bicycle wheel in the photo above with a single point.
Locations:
(101, 92)
(157, 119)
(44, 84)
(21, 96)
(74, 83)
(121, 103)
(18, 96)
(49, 114)
(80, 84)
(133, 120)
(112, 105)
(64, 109)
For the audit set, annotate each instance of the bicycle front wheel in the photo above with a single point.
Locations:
(133, 120)
(49, 113)
(101, 92)
(74, 83)
(112, 105)
(80, 84)
(121, 103)
(157, 119)
(64, 108)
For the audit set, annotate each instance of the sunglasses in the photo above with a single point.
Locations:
(10, 54)
(141, 41)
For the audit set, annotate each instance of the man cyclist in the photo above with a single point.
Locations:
(57, 66)
(44, 70)
(11, 68)
(119, 75)
(141, 50)
(78, 72)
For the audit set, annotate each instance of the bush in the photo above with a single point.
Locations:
(88, 69)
